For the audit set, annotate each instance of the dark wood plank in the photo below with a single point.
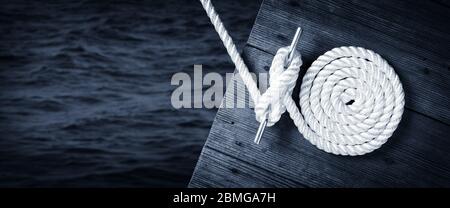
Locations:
(230, 171)
(414, 36)
(417, 155)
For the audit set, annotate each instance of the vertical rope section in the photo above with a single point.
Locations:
(351, 99)
(231, 49)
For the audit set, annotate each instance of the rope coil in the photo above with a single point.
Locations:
(351, 99)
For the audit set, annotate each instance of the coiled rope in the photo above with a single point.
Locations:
(351, 99)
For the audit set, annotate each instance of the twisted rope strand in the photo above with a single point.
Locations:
(351, 99)
(231, 49)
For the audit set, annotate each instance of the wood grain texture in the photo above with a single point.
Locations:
(417, 155)
(413, 36)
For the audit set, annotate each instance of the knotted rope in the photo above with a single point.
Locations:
(351, 99)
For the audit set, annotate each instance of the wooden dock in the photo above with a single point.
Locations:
(414, 36)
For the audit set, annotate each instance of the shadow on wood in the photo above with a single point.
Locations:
(412, 35)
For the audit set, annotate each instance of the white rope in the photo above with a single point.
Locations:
(351, 99)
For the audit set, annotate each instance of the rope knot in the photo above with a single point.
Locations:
(282, 81)
(351, 99)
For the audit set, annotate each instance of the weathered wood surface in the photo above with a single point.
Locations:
(413, 36)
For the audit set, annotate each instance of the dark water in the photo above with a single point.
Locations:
(85, 89)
